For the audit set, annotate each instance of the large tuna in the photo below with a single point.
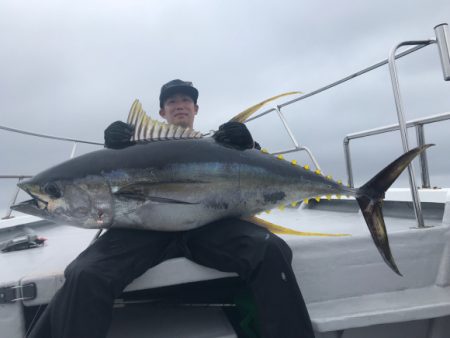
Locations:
(181, 184)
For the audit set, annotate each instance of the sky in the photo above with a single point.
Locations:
(71, 68)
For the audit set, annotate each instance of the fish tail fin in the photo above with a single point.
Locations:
(370, 197)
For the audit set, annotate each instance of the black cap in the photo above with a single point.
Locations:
(177, 87)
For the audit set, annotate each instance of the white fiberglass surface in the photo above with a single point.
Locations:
(325, 267)
(63, 244)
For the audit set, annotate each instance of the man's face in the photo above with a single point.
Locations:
(180, 110)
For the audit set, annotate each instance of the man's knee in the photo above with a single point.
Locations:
(278, 246)
(270, 244)
(262, 250)
(82, 273)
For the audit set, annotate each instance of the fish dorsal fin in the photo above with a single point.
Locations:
(148, 129)
(243, 116)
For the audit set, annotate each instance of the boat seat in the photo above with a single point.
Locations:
(382, 308)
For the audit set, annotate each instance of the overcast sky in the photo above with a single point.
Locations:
(69, 68)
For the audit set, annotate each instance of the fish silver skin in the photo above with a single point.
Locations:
(183, 184)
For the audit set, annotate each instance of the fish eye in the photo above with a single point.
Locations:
(52, 190)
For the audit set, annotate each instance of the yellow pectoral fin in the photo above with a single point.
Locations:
(243, 116)
(281, 230)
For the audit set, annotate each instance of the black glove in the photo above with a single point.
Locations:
(118, 135)
(234, 134)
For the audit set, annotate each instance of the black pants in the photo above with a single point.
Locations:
(82, 308)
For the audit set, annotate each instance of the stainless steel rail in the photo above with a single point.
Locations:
(16, 192)
(443, 42)
(297, 147)
(20, 177)
(401, 120)
(417, 123)
(277, 109)
(338, 82)
(23, 132)
(442, 39)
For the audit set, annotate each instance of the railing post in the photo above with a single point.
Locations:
(291, 135)
(74, 148)
(286, 126)
(443, 41)
(423, 157)
(402, 125)
(13, 201)
(348, 162)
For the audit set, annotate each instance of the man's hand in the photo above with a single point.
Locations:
(234, 134)
(118, 135)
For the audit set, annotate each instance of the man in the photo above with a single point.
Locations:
(82, 308)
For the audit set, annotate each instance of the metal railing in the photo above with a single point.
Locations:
(16, 193)
(297, 147)
(443, 41)
(278, 108)
(21, 177)
(416, 123)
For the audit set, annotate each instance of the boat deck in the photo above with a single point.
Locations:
(344, 280)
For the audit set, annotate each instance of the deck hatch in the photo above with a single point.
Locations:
(12, 294)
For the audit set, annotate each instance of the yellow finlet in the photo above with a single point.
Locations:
(267, 211)
(280, 157)
(278, 229)
(339, 182)
(306, 201)
(264, 151)
(329, 177)
(294, 204)
(328, 197)
(317, 171)
(317, 199)
(306, 167)
(338, 197)
(281, 207)
(294, 162)
(243, 116)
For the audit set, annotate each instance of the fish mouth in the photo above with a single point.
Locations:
(32, 206)
(35, 206)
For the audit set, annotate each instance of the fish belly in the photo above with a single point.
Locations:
(168, 217)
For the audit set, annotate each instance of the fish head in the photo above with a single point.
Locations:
(84, 202)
